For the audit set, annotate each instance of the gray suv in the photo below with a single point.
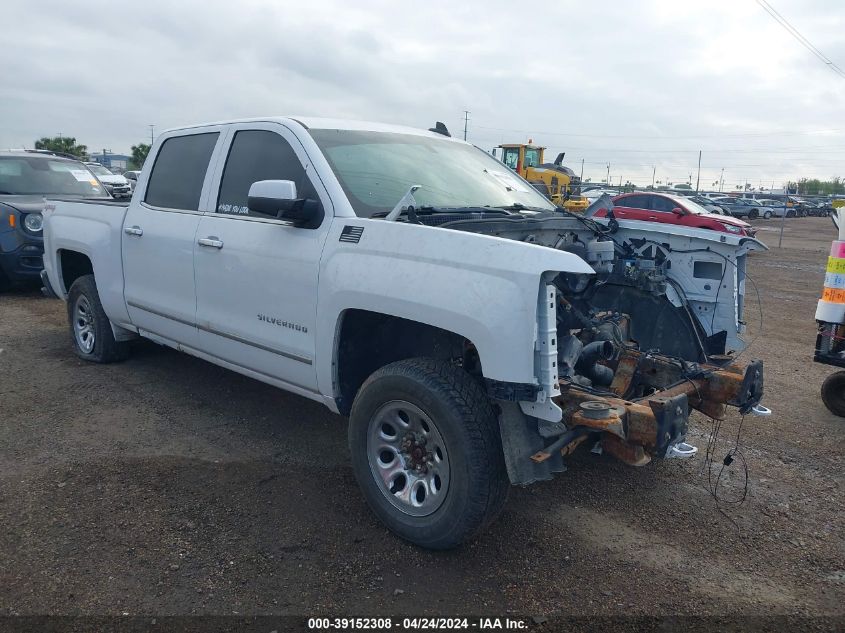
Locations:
(26, 176)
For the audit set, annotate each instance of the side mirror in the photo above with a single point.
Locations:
(678, 211)
(278, 199)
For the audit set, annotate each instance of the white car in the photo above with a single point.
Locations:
(773, 208)
(115, 184)
(595, 194)
(132, 176)
(471, 331)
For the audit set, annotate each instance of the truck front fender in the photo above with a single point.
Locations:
(480, 287)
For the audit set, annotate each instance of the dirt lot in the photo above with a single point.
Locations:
(165, 485)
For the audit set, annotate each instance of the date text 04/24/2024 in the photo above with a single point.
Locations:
(423, 624)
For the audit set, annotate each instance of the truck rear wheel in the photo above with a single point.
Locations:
(426, 452)
(90, 330)
(833, 393)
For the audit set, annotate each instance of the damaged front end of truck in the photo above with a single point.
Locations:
(624, 355)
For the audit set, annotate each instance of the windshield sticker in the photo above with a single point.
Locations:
(83, 176)
(233, 208)
(510, 183)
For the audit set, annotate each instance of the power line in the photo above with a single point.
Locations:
(660, 136)
(801, 39)
(758, 150)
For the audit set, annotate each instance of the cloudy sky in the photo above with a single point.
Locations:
(641, 85)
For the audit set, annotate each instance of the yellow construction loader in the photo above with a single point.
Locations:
(558, 183)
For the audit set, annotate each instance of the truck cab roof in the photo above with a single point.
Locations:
(326, 124)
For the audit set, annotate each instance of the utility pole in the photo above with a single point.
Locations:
(607, 180)
(466, 123)
(582, 170)
(722, 180)
(698, 178)
(653, 171)
(152, 134)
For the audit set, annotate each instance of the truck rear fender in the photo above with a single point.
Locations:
(74, 239)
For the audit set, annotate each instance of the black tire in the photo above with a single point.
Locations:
(467, 423)
(767, 215)
(790, 213)
(752, 215)
(5, 284)
(103, 349)
(833, 393)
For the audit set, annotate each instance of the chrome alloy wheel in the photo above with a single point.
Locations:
(408, 458)
(83, 324)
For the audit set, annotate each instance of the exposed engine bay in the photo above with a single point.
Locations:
(627, 352)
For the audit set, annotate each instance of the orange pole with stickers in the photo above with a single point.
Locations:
(830, 317)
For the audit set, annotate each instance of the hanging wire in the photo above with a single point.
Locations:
(714, 481)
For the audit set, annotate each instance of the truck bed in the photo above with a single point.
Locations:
(93, 228)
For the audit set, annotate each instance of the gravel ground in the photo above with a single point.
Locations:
(166, 485)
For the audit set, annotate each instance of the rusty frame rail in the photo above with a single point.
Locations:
(636, 430)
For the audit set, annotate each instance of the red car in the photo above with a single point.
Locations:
(671, 209)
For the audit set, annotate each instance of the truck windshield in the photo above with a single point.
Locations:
(38, 175)
(376, 169)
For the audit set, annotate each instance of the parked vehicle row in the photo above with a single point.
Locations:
(117, 185)
(748, 206)
(671, 209)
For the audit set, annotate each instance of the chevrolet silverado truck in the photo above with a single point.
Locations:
(473, 333)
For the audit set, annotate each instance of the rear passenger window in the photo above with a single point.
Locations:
(634, 202)
(259, 155)
(179, 171)
(659, 203)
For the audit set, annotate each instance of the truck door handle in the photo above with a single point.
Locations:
(133, 230)
(210, 241)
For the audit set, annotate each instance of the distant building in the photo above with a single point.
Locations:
(113, 162)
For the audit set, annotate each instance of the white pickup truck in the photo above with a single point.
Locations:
(473, 333)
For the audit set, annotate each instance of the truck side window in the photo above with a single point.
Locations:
(259, 155)
(179, 171)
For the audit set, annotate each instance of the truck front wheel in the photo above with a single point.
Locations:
(90, 330)
(426, 452)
